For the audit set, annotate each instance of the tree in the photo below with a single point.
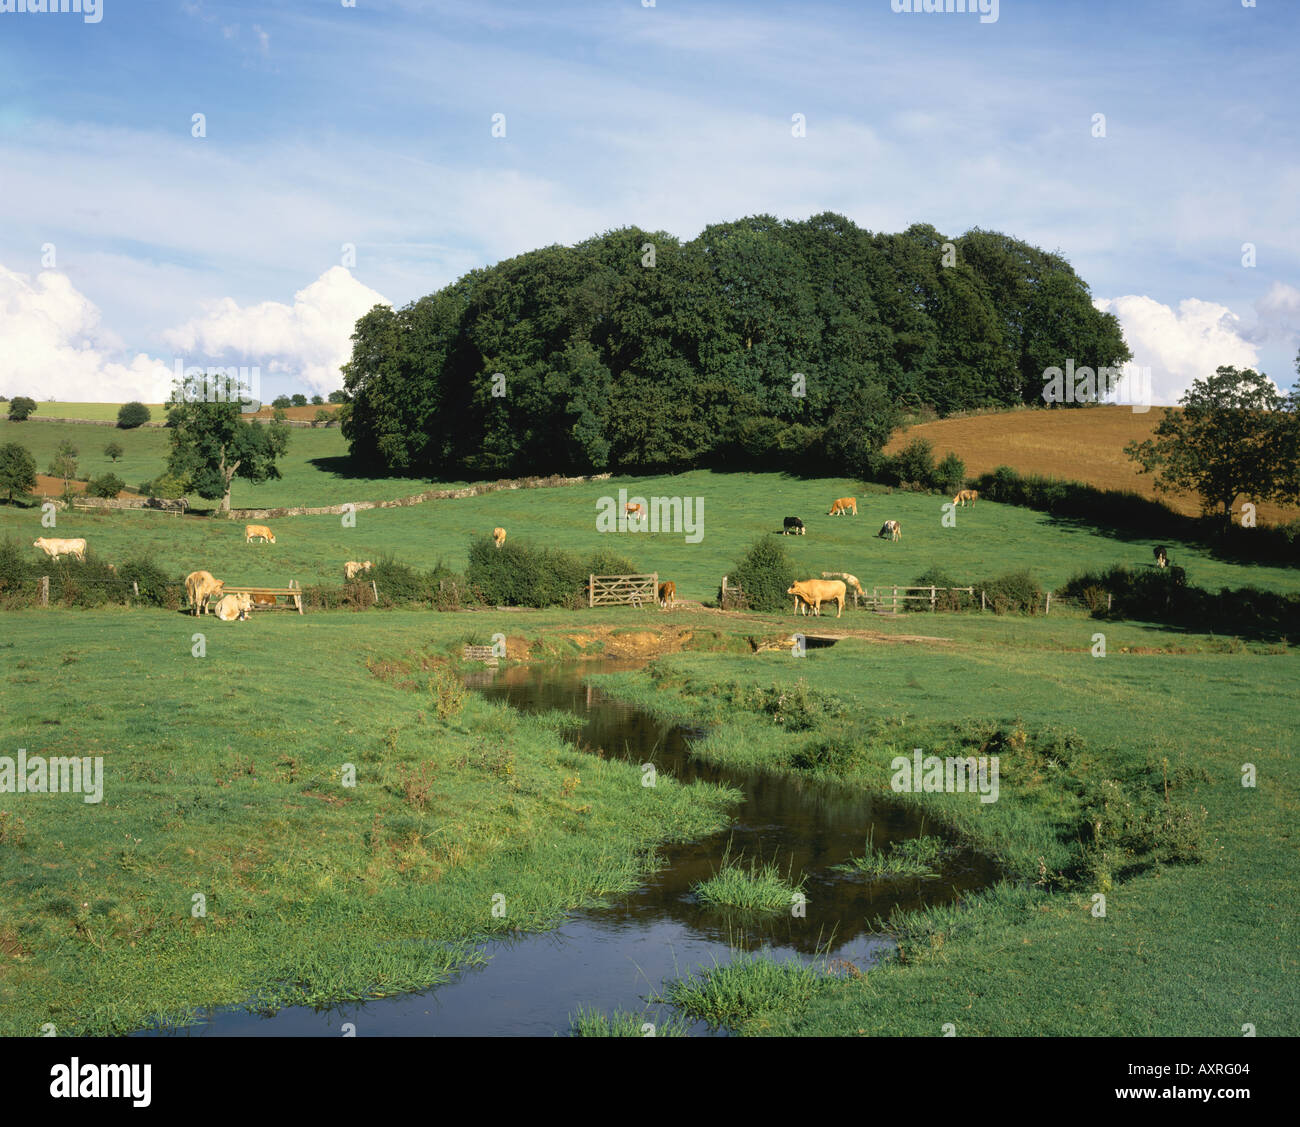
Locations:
(64, 463)
(339, 396)
(133, 414)
(213, 443)
(281, 401)
(17, 469)
(114, 451)
(317, 401)
(950, 474)
(299, 400)
(765, 574)
(20, 407)
(106, 485)
(324, 417)
(1234, 435)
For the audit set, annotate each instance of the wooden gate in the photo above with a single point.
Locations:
(622, 590)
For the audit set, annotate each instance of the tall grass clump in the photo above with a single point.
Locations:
(914, 857)
(746, 988)
(593, 1023)
(756, 887)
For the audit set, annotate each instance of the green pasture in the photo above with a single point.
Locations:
(95, 411)
(1183, 949)
(988, 539)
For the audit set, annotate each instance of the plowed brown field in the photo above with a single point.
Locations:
(1085, 445)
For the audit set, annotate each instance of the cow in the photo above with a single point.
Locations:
(965, 495)
(814, 592)
(634, 510)
(793, 527)
(667, 593)
(851, 580)
(256, 531)
(498, 536)
(263, 600)
(231, 607)
(1162, 557)
(201, 586)
(891, 529)
(844, 505)
(56, 548)
(352, 569)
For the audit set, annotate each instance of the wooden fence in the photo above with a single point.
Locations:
(622, 590)
(895, 595)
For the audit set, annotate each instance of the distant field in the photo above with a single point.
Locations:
(87, 410)
(737, 508)
(1077, 445)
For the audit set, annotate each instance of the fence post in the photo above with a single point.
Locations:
(895, 600)
(1108, 598)
(981, 598)
(1048, 608)
(376, 589)
(932, 596)
(591, 591)
(654, 585)
(45, 590)
(135, 584)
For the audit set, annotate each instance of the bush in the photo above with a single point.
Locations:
(131, 415)
(946, 599)
(17, 470)
(106, 485)
(915, 463)
(765, 574)
(157, 588)
(950, 474)
(114, 451)
(524, 575)
(281, 401)
(324, 417)
(20, 408)
(1016, 592)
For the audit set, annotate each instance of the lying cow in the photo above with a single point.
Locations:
(352, 569)
(200, 586)
(257, 531)
(498, 536)
(891, 529)
(814, 592)
(261, 599)
(56, 548)
(1162, 557)
(667, 593)
(232, 607)
(793, 527)
(965, 495)
(844, 505)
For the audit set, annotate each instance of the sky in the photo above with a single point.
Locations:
(350, 154)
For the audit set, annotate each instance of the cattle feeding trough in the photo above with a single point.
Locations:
(292, 594)
(622, 590)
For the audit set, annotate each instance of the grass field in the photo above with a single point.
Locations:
(1076, 445)
(93, 411)
(737, 508)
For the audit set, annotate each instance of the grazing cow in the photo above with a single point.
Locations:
(965, 495)
(817, 591)
(634, 510)
(56, 548)
(232, 607)
(1162, 557)
(498, 536)
(112, 568)
(667, 593)
(793, 527)
(260, 600)
(257, 531)
(851, 580)
(891, 529)
(201, 586)
(844, 505)
(352, 569)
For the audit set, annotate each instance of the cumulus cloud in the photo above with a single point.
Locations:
(1180, 345)
(310, 338)
(52, 344)
(1277, 315)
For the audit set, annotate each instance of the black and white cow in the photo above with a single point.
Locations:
(1162, 557)
(793, 526)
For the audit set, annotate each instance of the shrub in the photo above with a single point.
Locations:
(106, 485)
(281, 401)
(20, 407)
(324, 417)
(157, 588)
(1016, 592)
(950, 474)
(945, 599)
(915, 463)
(131, 415)
(522, 574)
(765, 574)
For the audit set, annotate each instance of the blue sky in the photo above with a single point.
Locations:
(372, 126)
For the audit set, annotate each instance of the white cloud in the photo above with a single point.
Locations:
(1277, 315)
(1181, 345)
(52, 344)
(311, 337)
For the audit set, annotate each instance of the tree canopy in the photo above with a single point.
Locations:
(17, 469)
(758, 343)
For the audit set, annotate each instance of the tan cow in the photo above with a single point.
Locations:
(498, 536)
(201, 586)
(56, 548)
(263, 600)
(667, 593)
(257, 531)
(965, 495)
(814, 592)
(352, 569)
(232, 607)
(844, 505)
(892, 529)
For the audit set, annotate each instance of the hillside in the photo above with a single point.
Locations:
(1079, 445)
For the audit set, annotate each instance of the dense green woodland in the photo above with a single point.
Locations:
(612, 363)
